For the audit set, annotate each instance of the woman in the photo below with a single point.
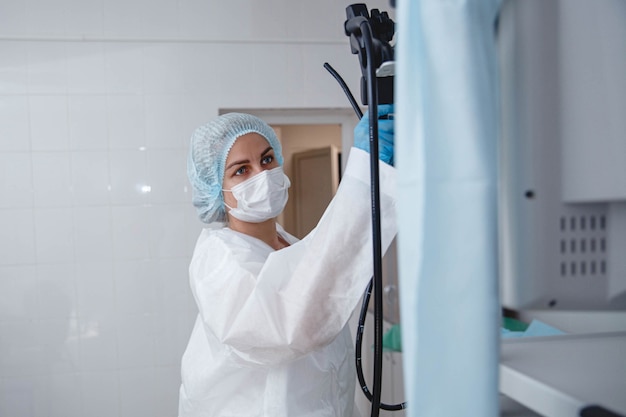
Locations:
(271, 337)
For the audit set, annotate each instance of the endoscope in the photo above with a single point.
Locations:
(370, 36)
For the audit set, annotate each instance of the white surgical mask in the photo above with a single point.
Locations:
(261, 197)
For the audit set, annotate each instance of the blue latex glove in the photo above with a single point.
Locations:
(385, 134)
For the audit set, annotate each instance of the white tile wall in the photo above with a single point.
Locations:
(16, 179)
(14, 124)
(87, 119)
(97, 102)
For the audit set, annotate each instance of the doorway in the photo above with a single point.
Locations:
(311, 155)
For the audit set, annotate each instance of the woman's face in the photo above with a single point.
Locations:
(250, 155)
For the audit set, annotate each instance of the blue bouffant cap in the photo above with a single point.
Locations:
(210, 145)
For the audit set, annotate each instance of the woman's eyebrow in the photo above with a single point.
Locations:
(246, 161)
(241, 162)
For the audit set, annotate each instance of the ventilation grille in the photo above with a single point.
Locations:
(583, 245)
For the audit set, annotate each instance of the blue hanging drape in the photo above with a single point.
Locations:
(446, 138)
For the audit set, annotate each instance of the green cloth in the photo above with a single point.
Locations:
(392, 340)
(514, 325)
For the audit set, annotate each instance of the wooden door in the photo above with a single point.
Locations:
(315, 181)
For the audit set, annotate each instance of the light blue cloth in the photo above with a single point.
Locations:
(536, 328)
(446, 134)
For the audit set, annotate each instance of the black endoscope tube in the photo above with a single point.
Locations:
(345, 88)
(359, 341)
(354, 26)
(372, 94)
(358, 349)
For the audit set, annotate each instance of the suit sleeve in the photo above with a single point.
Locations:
(300, 298)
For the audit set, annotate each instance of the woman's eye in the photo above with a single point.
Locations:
(240, 171)
(267, 160)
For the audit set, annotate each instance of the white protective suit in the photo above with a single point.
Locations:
(271, 338)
